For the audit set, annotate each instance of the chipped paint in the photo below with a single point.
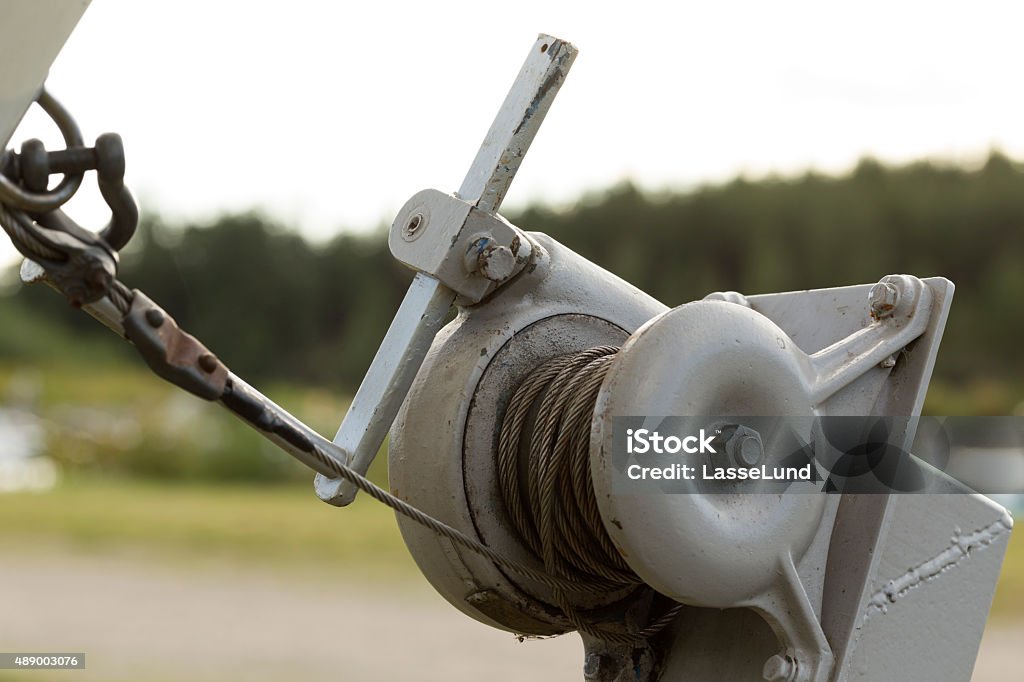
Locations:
(959, 549)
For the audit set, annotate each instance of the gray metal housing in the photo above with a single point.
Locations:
(835, 605)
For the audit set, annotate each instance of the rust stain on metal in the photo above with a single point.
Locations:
(551, 82)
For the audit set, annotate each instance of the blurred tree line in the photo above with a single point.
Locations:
(274, 306)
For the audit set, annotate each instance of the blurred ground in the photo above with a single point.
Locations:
(193, 582)
(140, 620)
(1000, 653)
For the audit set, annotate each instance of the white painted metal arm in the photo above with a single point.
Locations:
(517, 123)
(421, 314)
(387, 381)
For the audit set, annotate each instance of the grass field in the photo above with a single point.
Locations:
(175, 572)
(111, 419)
(282, 526)
(185, 581)
(276, 526)
(184, 493)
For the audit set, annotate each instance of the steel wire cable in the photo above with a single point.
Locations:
(20, 228)
(555, 509)
(556, 512)
(559, 521)
(560, 586)
(571, 565)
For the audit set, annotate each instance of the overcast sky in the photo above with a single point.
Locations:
(330, 114)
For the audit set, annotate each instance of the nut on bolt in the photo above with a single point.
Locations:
(738, 446)
(883, 299)
(745, 447)
(779, 668)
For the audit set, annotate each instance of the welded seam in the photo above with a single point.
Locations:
(959, 549)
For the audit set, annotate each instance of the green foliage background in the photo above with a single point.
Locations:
(307, 318)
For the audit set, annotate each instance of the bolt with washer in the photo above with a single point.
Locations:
(744, 446)
(737, 446)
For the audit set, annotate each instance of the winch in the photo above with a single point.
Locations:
(507, 458)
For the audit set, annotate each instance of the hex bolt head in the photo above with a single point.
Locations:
(779, 668)
(489, 259)
(883, 299)
(497, 263)
(155, 318)
(744, 447)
